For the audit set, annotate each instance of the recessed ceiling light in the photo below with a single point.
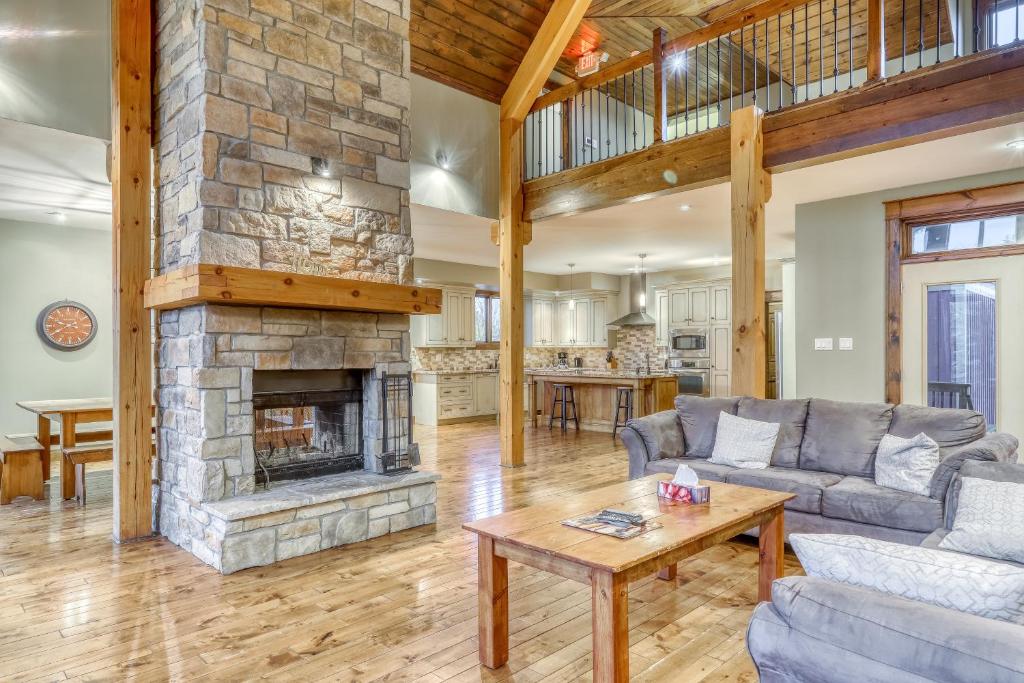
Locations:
(684, 207)
(1016, 144)
(58, 216)
(442, 161)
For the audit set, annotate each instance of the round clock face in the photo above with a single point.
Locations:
(66, 325)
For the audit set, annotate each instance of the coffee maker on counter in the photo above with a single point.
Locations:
(563, 360)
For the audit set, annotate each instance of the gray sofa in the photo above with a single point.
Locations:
(825, 454)
(817, 631)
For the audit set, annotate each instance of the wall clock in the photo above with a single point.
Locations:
(66, 325)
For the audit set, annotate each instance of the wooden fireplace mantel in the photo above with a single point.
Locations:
(213, 284)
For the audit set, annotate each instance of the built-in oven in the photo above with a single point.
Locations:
(689, 342)
(693, 375)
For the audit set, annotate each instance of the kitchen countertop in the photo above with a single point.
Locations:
(455, 372)
(595, 372)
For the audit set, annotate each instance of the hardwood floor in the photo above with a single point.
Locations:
(398, 608)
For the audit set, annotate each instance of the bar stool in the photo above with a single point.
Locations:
(563, 396)
(623, 408)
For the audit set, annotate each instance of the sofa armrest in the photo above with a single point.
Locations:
(652, 437)
(993, 447)
(824, 631)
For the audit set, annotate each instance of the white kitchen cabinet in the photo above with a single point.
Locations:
(661, 317)
(678, 308)
(485, 393)
(453, 326)
(721, 360)
(582, 333)
(700, 305)
(543, 319)
(599, 321)
(565, 323)
(721, 303)
(447, 398)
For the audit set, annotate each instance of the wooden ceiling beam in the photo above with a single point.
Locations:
(559, 26)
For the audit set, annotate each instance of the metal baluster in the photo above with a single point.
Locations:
(732, 49)
(643, 105)
(718, 80)
(849, 41)
(821, 52)
(903, 25)
(686, 98)
(743, 69)
(807, 53)
(778, 22)
(696, 88)
(632, 91)
(707, 85)
(767, 73)
(835, 45)
(920, 33)
(753, 51)
(792, 54)
(938, 30)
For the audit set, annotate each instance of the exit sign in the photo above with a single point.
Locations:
(588, 64)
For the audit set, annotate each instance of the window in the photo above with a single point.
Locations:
(487, 317)
(1006, 23)
(999, 231)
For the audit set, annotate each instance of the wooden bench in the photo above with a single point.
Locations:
(73, 469)
(75, 458)
(21, 468)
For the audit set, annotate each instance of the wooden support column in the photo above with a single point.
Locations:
(567, 135)
(131, 179)
(876, 40)
(510, 283)
(660, 92)
(750, 190)
(559, 25)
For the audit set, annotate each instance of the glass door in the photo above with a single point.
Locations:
(960, 346)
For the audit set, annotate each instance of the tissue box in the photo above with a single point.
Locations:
(684, 494)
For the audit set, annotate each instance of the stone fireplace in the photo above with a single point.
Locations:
(283, 147)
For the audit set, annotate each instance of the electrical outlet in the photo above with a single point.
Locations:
(823, 344)
(846, 343)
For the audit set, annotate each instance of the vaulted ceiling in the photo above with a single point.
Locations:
(476, 45)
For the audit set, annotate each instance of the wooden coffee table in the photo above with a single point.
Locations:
(535, 536)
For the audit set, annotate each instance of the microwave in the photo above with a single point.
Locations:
(689, 342)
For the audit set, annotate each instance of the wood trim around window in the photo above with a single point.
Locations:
(904, 214)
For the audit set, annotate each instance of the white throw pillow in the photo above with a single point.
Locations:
(906, 464)
(960, 582)
(989, 520)
(745, 443)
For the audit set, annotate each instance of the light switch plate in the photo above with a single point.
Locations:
(846, 343)
(823, 344)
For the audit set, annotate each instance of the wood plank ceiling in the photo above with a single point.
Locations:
(476, 45)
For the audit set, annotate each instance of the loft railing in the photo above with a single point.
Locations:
(773, 55)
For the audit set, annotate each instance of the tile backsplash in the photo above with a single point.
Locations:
(633, 343)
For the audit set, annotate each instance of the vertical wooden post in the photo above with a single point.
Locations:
(567, 141)
(132, 183)
(876, 39)
(660, 99)
(893, 304)
(511, 237)
(750, 188)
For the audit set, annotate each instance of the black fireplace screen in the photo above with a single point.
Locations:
(399, 453)
(307, 433)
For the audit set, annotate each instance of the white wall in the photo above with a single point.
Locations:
(840, 287)
(789, 308)
(40, 264)
(464, 129)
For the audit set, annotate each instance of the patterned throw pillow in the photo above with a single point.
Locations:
(989, 520)
(906, 464)
(960, 582)
(745, 443)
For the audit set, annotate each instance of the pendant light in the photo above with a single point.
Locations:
(643, 294)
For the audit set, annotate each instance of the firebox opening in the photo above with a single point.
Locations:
(308, 423)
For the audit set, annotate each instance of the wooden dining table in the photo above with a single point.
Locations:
(68, 413)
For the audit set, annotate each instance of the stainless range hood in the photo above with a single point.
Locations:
(637, 316)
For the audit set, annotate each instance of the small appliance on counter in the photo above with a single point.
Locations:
(563, 360)
(577, 362)
(612, 361)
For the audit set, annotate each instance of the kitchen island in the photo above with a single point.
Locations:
(595, 394)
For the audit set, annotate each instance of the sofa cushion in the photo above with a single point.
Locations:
(791, 416)
(703, 468)
(989, 519)
(980, 469)
(862, 500)
(947, 427)
(744, 443)
(806, 485)
(842, 438)
(935, 538)
(699, 416)
(951, 580)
